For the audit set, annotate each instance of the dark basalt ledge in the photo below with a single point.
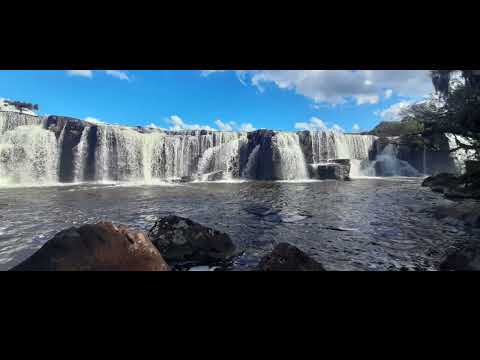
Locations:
(331, 170)
(100, 247)
(286, 257)
(181, 240)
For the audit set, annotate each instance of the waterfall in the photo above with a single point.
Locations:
(292, 160)
(28, 156)
(330, 145)
(80, 156)
(388, 164)
(11, 120)
(249, 171)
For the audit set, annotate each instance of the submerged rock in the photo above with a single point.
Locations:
(100, 247)
(182, 240)
(286, 257)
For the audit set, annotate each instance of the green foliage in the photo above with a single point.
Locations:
(458, 112)
(398, 128)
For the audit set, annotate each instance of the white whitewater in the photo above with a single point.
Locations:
(80, 156)
(331, 145)
(249, 171)
(28, 156)
(388, 164)
(124, 154)
(292, 160)
(12, 120)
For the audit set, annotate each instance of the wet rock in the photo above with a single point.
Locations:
(443, 180)
(182, 240)
(463, 258)
(100, 247)
(334, 170)
(286, 257)
(466, 211)
(216, 176)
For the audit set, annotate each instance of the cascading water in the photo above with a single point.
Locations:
(28, 155)
(291, 158)
(12, 120)
(80, 156)
(330, 145)
(388, 164)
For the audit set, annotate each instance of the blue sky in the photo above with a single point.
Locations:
(275, 99)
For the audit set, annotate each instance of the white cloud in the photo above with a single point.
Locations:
(367, 99)
(224, 126)
(94, 120)
(394, 112)
(177, 124)
(81, 73)
(316, 124)
(339, 86)
(356, 128)
(122, 75)
(247, 127)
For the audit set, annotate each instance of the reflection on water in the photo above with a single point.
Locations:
(369, 224)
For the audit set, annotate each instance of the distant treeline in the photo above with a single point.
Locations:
(19, 105)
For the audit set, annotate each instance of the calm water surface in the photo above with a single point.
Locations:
(366, 224)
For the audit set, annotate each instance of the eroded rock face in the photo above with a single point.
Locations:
(182, 240)
(286, 257)
(333, 170)
(100, 247)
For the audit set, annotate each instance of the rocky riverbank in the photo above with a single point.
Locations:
(463, 208)
(173, 244)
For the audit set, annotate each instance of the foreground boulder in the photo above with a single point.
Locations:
(286, 257)
(182, 240)
(100, 247)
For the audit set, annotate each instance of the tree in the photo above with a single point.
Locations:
(19, 105)
(457, 111)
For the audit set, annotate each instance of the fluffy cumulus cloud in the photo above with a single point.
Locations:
(394, 112)
(177, 124)
(316, 124)
(225, 126)
(94, 120)
(247, 127)
(81, 73)
(339, 86)
(122, 75)
(356, 128)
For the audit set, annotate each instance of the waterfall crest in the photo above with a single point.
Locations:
(58, 149)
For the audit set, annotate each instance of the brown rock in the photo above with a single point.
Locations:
(100, 247)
